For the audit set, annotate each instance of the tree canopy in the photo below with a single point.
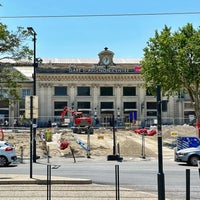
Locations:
(12, 46)
(172, 60)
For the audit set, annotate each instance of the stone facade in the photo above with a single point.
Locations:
(101, 88)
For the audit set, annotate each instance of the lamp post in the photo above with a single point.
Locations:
(32, 32)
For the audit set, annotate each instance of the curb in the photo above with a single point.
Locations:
(24, 179)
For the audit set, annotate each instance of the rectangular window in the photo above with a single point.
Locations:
(151, 113)
(83, 91)
(83, 105)
(106, 105)
(106, 91)
(164, 105)
(60, 91)
(59, 104)
(129, 91)
(25, 92)
(4, 104)
(129, 105)
(22, 104)
(3, 93)
(151, 105)
(4, 113)
(188, 106)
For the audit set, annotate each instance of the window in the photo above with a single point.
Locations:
(188, 106)
(106, 91)
(4, 104)
(83, 105)
(58, 107)
(60, 91)
(3, 93)
(83, 91)
(25, 92)
(60, 104)
(181, 94)
(151, 105)
(129, 105)
(152, 113)
(129, 91)
(106, 105)
(164, 105)
(5, 113)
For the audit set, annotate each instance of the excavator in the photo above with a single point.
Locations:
(80, 123)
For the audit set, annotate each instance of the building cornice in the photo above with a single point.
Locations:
(88, 77)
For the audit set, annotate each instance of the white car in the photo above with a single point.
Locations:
(7, 153)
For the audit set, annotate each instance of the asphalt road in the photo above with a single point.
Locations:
(133, 173)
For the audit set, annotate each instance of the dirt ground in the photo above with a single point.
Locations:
(101, 143)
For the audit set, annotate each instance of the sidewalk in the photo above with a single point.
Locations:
(25, 179)
(22, 187)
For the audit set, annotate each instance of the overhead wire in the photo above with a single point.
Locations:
(100, 15)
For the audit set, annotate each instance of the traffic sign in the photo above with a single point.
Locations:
(28, 102)
(174, 133)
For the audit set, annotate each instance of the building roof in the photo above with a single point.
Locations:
(27, 71)
(89, 60)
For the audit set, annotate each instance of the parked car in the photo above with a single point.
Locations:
(7, 153)
(189, 155)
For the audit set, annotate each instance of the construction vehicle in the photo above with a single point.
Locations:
(80, 123)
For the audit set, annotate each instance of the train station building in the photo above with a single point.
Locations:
(99, 87)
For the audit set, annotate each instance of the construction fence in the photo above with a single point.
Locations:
(49, 121)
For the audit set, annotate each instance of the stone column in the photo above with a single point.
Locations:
(95, 97)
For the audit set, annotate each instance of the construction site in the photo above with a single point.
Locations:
(100, 143)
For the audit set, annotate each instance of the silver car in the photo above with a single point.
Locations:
(7, 153)
(189, 155)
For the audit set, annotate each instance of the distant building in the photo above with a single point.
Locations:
(101, 88)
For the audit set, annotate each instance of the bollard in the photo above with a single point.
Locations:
(22, 153)
(72, 151)
(48, 154)
(143, 146)
(187, 184)
(88, 142)
(199, 167)
(117, 182)
(118, 149)
(48, 182)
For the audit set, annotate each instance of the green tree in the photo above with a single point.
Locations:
(12, 46)
(172, 60)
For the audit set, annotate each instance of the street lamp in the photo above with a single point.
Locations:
(32, 32)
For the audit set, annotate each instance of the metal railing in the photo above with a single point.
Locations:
(49, 121)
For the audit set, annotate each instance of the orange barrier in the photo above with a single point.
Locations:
(2, 134)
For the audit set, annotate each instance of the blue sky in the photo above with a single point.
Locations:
(85, 37)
